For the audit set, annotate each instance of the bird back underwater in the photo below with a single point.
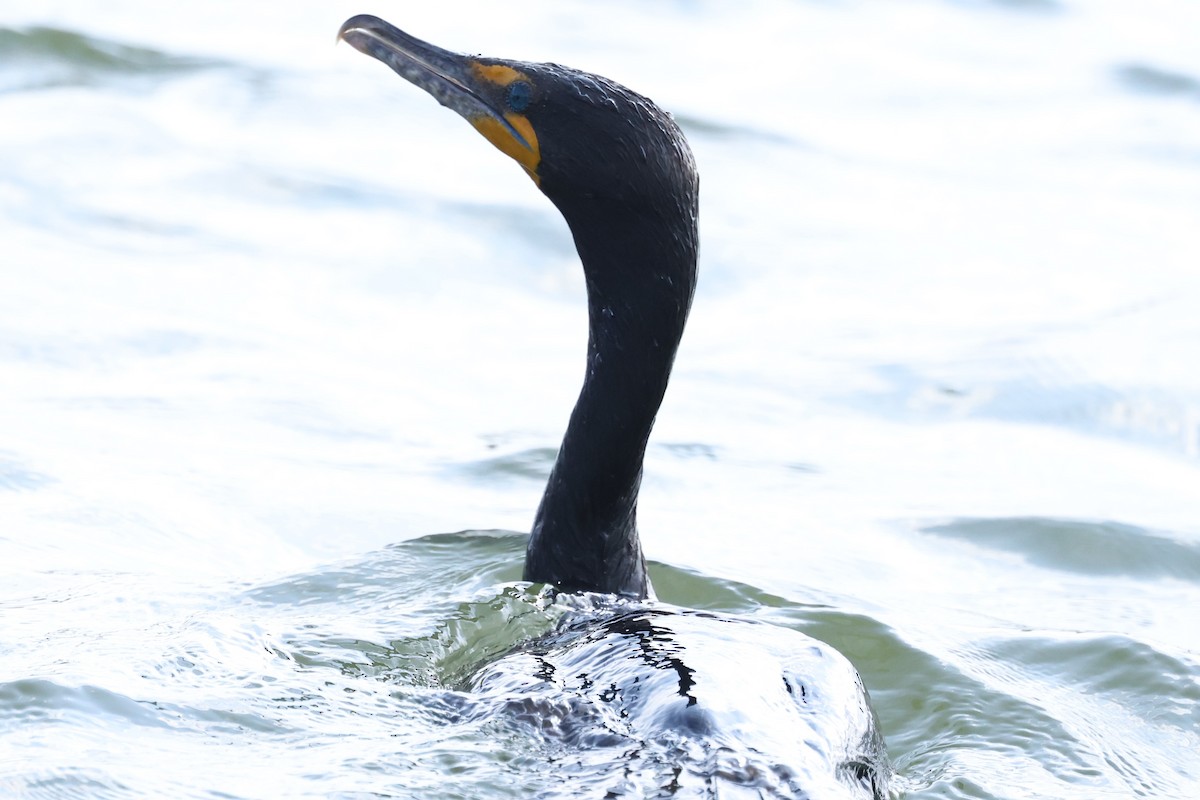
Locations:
(699, 696)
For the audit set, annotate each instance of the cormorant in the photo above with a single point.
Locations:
(621, 173)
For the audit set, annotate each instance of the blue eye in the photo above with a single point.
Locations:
(519, 96)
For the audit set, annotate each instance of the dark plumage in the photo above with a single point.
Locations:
(635, 230)
(621, 173)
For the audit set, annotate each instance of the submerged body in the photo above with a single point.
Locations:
(710, 704)
(734, 704)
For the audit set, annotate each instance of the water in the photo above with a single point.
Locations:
(270, 318)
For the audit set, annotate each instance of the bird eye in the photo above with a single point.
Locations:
(520, 94)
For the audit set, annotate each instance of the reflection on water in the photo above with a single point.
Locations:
(267, 313)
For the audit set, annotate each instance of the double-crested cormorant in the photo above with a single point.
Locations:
(621, 173)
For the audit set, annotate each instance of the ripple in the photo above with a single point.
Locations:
(1147, 683)
(532, 464)
(431, 567)
(476, 672)
(1158, 81)
(686, 450)
(1086, 548)
(16, 477)
(706, 127)
(36, 699)
(44, 57)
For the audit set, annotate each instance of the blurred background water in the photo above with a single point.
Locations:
(269, 318)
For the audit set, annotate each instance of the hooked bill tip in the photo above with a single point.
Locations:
(359, 22)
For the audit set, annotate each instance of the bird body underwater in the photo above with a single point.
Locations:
(621, 173)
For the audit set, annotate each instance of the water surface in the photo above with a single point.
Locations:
(273, 324)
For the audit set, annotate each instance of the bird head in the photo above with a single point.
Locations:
(579, 136)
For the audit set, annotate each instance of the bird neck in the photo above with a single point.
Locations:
(641, 273)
